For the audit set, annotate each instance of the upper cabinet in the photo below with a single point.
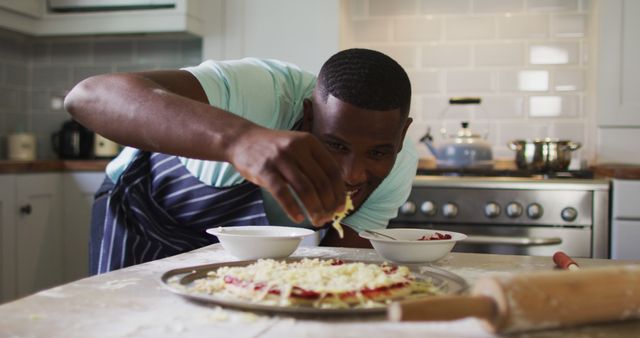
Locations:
(90, 17)
(618, 70)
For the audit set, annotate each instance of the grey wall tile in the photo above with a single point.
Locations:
(55, 77)
(14, 100)
(39, 100)
(157, 51)
(71, 52)
(12, 49)
(48, 123)
(17, 122)
(113, 51)
(41, 53)
(16, 74)
(82, 72)
(191, 52)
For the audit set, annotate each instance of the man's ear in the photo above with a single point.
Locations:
(407, 123)
(307, 115)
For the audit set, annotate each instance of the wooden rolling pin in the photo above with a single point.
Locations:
(536, 300)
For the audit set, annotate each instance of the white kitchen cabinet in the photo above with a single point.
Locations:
(38, 232)
(625, 220)
(78, 191)
(7, 236)
(44, 230)
(618, 72)
(35, 20)
(33, 8)
(616, 79)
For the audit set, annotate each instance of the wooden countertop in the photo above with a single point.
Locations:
(41, 166)
(618, 170)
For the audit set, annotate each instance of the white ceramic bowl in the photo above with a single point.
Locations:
(260, 241)
(407, 248)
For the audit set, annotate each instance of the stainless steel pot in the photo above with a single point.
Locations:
(543, 154)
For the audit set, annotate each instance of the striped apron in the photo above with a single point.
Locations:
(157, 208)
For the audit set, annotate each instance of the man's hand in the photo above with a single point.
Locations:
(287, 162)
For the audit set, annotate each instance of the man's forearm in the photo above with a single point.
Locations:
(136, 111)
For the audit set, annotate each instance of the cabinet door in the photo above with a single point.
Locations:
(618, 68)
(33, 8)
(7, 236)
(39, 259)
(79, 189)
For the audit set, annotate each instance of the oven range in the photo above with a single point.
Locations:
(535, 215)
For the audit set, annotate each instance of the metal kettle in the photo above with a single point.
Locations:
(464, 149)
(73, 141)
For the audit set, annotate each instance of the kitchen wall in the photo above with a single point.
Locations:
(527, 60)
(36, 73)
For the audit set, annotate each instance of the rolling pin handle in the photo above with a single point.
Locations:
(563, 261)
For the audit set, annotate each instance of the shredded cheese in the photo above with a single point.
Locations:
(313, 282)
(339, 216)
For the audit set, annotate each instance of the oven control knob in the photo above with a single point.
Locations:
(450, 210)
(492, 210)
(428, 208)
(534, 211)
(569, 214)
(408, 208)
(514, 210)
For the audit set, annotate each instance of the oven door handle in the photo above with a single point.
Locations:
(509, 240)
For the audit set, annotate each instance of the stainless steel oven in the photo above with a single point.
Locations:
(534, 215)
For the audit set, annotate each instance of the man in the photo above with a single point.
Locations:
(256, 142)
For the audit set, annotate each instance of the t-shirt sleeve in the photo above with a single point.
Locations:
(267, 92)
(394, 190)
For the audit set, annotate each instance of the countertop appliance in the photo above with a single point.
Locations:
(513, 211)
(73, 141)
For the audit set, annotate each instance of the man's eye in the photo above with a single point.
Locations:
(378, 153)
(336, 146)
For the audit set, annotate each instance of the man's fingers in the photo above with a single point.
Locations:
(278, 187)
(302, 185)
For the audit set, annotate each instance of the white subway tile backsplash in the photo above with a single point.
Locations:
(374, 30)
(431, 7)
(569, 80)
(498, 6)
(503, 106)
(499, 54)
(568, 25)
(552, 5)
(356, 8)
(524, 80)
(572, 131)
(554, 106)
(422, 29)
(554, 53)
(425, 82)
(405, 55)
(446, 55)
(468, 28)
(433, 107)
(470, 81)
(523, 26)
(393, 8)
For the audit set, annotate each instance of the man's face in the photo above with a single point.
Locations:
(363, 142)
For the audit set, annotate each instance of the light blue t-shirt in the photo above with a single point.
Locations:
(271, 93)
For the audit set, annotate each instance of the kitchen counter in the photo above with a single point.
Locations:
(133, 303)
(41, 166)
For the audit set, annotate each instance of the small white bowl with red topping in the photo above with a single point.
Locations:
(260, 241)
(413, 245)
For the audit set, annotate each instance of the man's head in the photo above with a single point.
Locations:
(360, 111)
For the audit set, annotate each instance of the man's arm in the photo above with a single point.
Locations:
(168, 112)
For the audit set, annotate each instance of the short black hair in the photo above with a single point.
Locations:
(367, 79)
